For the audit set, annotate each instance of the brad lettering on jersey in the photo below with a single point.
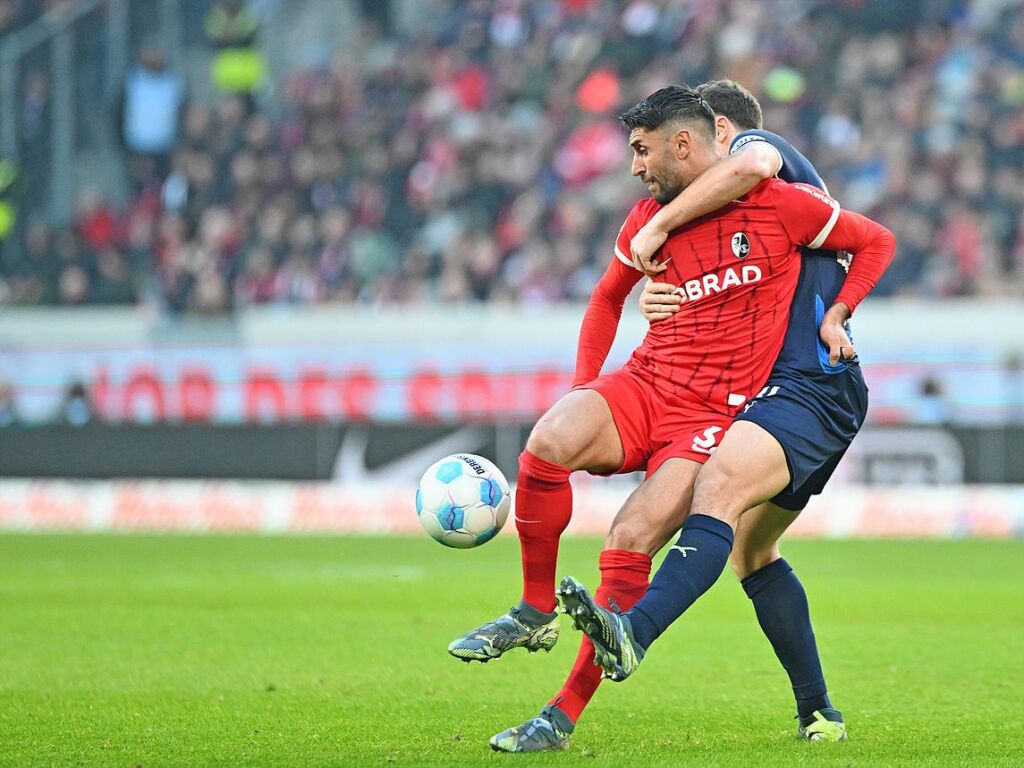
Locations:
(713, 282)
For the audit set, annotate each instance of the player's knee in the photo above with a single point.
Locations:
(633, 536)
(546, 443)
(713, 495)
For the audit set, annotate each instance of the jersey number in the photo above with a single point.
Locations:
(705, 443)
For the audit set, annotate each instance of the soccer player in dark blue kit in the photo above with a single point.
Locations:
(781, 450)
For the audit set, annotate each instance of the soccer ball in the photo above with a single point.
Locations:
(463, 500)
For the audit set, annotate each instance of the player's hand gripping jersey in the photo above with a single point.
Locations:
(736, 270)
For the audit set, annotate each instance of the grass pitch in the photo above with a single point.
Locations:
(230, 651)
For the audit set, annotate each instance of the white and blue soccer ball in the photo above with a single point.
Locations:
(463, 500)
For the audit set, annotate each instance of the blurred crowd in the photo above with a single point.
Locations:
(17, 14)
(480, 159)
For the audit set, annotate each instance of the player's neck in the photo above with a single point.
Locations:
(701, 163)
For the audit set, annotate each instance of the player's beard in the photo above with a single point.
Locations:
(666, 187)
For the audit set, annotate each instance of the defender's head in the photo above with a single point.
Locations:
(672, 134)
(736, 109)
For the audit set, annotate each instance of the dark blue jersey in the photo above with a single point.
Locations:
(821, 273)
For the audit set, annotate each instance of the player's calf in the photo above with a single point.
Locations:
(757, 538)
(578, 432)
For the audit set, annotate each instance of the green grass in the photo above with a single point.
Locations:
(230, 651)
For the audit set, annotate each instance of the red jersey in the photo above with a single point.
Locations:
(736, 270)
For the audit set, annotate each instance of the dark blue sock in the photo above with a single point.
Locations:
(689, 569)
(781, 605)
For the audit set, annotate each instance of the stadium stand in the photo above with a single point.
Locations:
(479, 160)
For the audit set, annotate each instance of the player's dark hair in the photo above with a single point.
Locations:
(676, 102)
(730, 99)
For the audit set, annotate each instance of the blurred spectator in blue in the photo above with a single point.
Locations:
(76, 408)
(931, 405)
(151, 113)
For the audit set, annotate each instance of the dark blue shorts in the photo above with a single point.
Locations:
(815, 418)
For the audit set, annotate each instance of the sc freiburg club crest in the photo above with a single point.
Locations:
(740, 246)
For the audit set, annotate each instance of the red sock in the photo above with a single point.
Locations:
(624, 579)
(543, 508)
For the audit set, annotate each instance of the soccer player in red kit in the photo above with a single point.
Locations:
(667, 408)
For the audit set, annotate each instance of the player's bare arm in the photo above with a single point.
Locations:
(726, 180)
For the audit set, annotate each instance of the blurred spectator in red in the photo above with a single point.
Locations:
(599, 92)
(961, 237)
(95, 221)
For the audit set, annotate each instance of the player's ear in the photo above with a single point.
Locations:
(681, 143)
(721, 128)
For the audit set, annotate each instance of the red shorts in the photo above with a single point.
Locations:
(655, 426)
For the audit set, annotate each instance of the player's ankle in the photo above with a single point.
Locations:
(560, 718)
(534, 616)
(806, 707)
